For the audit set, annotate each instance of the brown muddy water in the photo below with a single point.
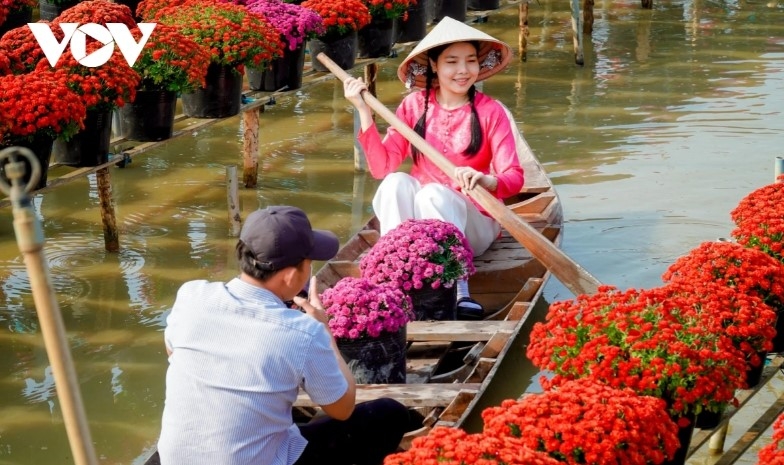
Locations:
(676, 115)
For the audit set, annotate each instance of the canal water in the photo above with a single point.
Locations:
(676, 115)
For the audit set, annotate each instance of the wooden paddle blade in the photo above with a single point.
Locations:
(572, 275)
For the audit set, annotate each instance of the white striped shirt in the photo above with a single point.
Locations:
(238, 359)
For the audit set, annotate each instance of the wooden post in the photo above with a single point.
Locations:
(250, 146)
(371, 73)
(233, 200)
(111, 237)
(577, 34)
(647, 4)
(358, 202)
(338, 104)
(522, 40)
(643, 50)
(716, 443)
(588, 16)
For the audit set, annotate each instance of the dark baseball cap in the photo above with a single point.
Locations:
(281, 236)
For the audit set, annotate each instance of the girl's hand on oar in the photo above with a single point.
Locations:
(352, 89)
(468, 178)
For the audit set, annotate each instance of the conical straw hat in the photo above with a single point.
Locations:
(494, 55)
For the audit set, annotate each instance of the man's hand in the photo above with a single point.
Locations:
(312, 305)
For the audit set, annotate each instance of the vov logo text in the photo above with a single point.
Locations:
(76, 35)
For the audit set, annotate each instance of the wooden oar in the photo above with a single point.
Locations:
(572, 275)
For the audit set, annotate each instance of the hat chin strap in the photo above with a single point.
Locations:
(492, 59)
(414, 70)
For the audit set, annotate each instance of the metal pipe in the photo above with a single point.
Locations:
(778, 168)
(30, 238)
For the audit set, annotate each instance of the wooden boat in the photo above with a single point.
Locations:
(451, 363)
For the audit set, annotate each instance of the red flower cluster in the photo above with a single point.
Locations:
(340, 16)
(773, 453)
(22, 50)
(147, 9)
(171, 61)
(650, 341)
(585, 422)
(33, 104)
(233, 36)
(110, 85)
(453, 446)
(747, 270)
(7, 6)
(759, 220)
(391, 9)
(744, 318)
(96, 11)
(738, 291)
(5, 64)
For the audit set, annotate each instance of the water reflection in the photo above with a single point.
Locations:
(674, 117)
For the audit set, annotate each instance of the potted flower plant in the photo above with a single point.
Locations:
(235, 38)
(376, 39)
(342, 20)
(741, 289)
(650, 341)
(170, 63)
(759, 222)
(455, 446)
(369, 322)
(391, 9)
(34, 110)
(296, 24)
(102, 89)
(586, 422)
(424, 258)
(15, 13)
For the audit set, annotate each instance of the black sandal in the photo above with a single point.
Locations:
(469, 309)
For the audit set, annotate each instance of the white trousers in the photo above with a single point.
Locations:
(401, 197)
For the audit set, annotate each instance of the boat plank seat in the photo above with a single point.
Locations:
(468, 331)
(410, 395)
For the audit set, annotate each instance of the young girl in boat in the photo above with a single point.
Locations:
(471, 129)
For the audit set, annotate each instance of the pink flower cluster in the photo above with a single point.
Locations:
(295, 23)
(358, 308)
(418, 253)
